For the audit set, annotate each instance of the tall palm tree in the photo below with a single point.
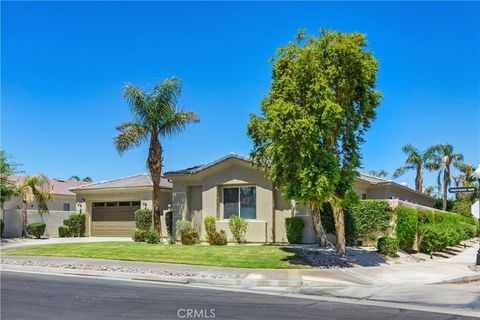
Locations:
(417, 161)
(381, 174)
(443, 157)
(431, 191)
(155, 115)
(34, 188)
(467, 176)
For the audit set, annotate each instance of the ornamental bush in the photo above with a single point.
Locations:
(2, 226)
(181, 226)
(210, 227)
(469, 229)
(152, 237)
(64, 232)
(433, 238)
(139, 235)
(387, 246)
(406, 229)
(143, 219)
(76, 224)
(294, 227)
(238, 228)
(218, 238)
(189, 237)
(36, 229)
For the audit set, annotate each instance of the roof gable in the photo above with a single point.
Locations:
(135, 181)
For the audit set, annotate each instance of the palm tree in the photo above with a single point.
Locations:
(417, 161)
(381, 174)
(33, 188)
(77, 178)
(155, 115)
(467, 176)
(431, 191)
(443, 156)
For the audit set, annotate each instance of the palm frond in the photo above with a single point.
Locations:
(131, 135)
(87, 179)
(402, 170)
(177, 122)
(138, 102)
(74, 177)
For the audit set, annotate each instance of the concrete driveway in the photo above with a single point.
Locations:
(21, 242)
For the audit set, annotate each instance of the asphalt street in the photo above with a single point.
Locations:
(35, 296)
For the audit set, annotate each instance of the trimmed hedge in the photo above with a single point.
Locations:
(387, 246)
(294, 227)
(218, 238)
(76, 224)
(143, 219)
(406, 228)
(64, 232)
(2, 227)
(169, 223)
(36, 229)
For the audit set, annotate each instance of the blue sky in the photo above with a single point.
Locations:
(64, 66)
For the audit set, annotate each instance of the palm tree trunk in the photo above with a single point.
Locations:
(339, 219)
(419, 179)
(24, 219)
(155, 165)
(446, 176)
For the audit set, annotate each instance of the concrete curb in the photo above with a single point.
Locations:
(460, 279)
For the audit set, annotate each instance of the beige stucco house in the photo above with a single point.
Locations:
(110, 205)
(232, 185)
(60, 207)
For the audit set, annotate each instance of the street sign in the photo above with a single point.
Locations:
(462, 189)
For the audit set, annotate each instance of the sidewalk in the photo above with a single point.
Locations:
(14, 243)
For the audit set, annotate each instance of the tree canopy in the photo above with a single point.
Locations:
(321, 102)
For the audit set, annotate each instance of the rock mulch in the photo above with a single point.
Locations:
(103, 268)
(324, 258)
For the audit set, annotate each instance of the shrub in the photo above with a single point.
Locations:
(238, 228)
(470, 230)
(433, 238)
(424, 217)
(407, 221)
(190, 236)
(64, 232)
(169, 223)
(76, 224)
(143, 219)
(2, 226)
(218, 238)
(36, 229)
(139, 235)
(387, 246)
(294, 228)
(181, 226)
(152, 237)
(210, 228)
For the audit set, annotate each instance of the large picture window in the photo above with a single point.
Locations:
(241, 201)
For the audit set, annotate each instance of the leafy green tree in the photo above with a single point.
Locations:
(443, 157)
(35, 188)
(7, 169)
(467, 176)
(416, 160)
(155, 115)
(321, 102)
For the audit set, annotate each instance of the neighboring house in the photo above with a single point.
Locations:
(110, 205)
(232, 185)
(62, 205)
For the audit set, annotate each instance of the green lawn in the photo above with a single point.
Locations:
(243, 256)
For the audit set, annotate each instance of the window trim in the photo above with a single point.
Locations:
(238, 186)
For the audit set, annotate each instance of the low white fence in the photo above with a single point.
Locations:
(13, 221)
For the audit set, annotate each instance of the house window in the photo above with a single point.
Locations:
(66, 207)
(241, 201)
(364, 196)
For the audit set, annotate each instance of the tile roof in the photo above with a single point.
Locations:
(195, 169)
(57, 186)
(139, 180)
